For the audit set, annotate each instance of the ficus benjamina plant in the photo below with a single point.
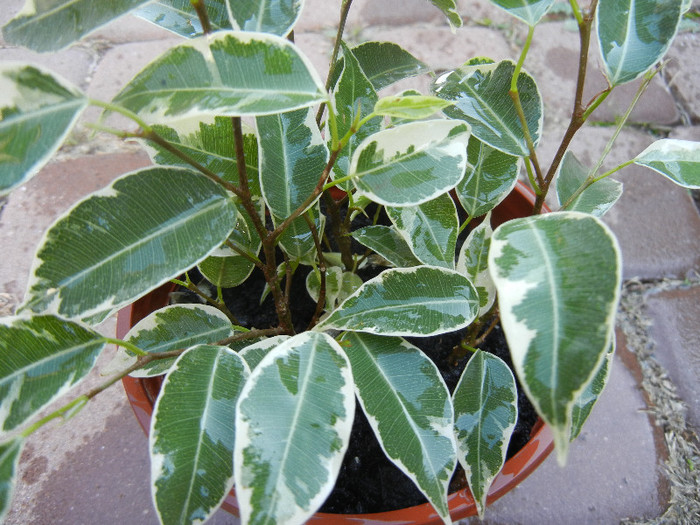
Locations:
(261, 166)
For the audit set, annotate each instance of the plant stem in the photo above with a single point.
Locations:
(125, 344)
(202, 14)
(122, 111)
(216, 304)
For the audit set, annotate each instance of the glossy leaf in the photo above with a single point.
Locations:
(227, 271)
(9, 459)
(339, 285)
(449, 9)
(597, 199)
(410, 413)
(412, 107)
(412, 163)
(430, 229)
(180, 17)
(254, 353)
(266, 16)
(388, 243)
(529, 11)
(635, 34)
(37, 111)
(292, 430)
(486, 410)
(228, 73)
(297, 240)
(587, 399)
(678, 160)
(97, 257)
(193, 432)
(473, 262)
(42, 358)
(50, 25)
(480, 96)
(354, 97)
(420, 301)
(212, 145)
(175, 327)
(384, 63)
(491, 176)
(556, 346)
(293, 155)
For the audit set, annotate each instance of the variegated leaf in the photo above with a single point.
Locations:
(37, 111)
(410, 413)
(430, 229)
(339, 285)
(128, 239)
(228, 73)
(473, 262)
(388, 243)
(589, 397)
(597, 199)
(181, 18)
(529, 11)
(265, 16)
(419, 301)
(449, 9)
(410, 107)
(678, 160)
(486, 410)
(412, 163)
(292, 430)
(41, 358)
(255, 352)
(193, 433)
(558, 329)
(9, 459)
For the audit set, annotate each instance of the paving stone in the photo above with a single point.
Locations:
(318, 48)
(398, 12)
(682, 72)
(74, 64)
(611, 473)
(34, 206)
(119, 65)
(676, 332)
(131, 28)
(319, 15)
(553, 61)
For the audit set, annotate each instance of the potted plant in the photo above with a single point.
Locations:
(362, 206)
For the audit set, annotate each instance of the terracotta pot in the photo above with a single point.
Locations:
(142, 394)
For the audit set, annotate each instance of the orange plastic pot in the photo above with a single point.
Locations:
(142, 394)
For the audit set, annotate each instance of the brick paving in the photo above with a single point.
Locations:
(95, 470)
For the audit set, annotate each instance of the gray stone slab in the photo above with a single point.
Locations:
(34, 206)
(676, 332)
(398, 12)
(682, 72)
(131, 28)
(74, 64)
(611, 473)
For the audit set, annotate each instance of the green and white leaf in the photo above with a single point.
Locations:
(293, 156)
(388, 243)
(413, 107)
(226, 271)
(480, 95)
(412, 163)
(473, 262)
(597, 199)
(42, 358)
(385, 63)
(265, 16)
(529, 11)
(212, 145)
(228, 73)
(193, 433)
(255, 352)
(97, 257)
(339, 285)
(491, 176)
(37, 111)
(354, 97)
(430, 229)
(174, 327)
(558, 330)
(50, 25)
(635, 34)
(486, 410)
(588, 398)
(9, 459)
(420, 301)
(297, 240)
(293, 425)
(678, 160)
(449, 9)
(179, 17)
(411, 413)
